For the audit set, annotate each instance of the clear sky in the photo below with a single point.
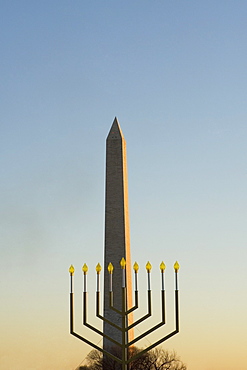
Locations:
(174, 73)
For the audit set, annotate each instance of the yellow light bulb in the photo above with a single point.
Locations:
(176, 266)
(148, 266)
(85, 268)
(123, 263)
(71, 270)
(162, 266)
(110, 268)
(136, 267)
(98, 268)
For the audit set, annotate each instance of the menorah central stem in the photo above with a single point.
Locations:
(124, 332)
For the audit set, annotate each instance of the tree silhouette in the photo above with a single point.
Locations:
(156, 359)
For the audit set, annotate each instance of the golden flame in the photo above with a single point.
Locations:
(176, 266)
(84, 268)
(148, 266)
(162, 266)
(123, 263)
(71, 270)
(110, 268)
(136, 267)
(98, 268)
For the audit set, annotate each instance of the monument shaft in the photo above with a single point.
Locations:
(117, 234)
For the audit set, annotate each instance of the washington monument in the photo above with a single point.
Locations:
(118, 322)
(117, 234)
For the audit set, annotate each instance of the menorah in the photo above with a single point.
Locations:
(124, 312)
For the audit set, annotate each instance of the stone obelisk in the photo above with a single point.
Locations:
(117, 234)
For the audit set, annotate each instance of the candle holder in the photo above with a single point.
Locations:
(124, 312)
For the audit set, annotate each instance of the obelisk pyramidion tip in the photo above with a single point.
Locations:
(115, 131)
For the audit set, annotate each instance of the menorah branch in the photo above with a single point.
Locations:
(112, 306)
(168, 336)
(85, 323)
(145, 316)
(161, 323)
(97, 347)
(136, 304)
(102, 317)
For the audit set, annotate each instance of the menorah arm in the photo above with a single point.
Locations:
(96, 347)
(90, 326)
(102, 334)
(123, 313)
(102, 317)
(71, 321)
(146, 333)
(156, 327)
(136, 304)
(82, 338)
(111, 305)
(145, 316)
(139, 354)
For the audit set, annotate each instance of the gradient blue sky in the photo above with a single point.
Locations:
(174, 73)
